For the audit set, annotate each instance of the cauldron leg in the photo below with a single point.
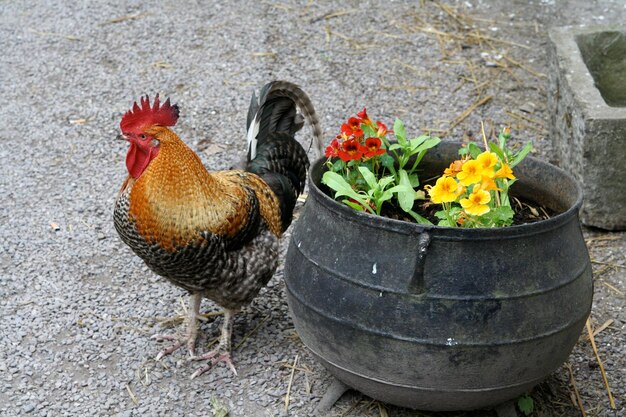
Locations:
(330, 397)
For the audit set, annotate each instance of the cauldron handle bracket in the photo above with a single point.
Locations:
(416, 285)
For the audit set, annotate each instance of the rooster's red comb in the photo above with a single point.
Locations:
(137, 119)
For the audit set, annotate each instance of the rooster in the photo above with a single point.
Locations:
(215, 234)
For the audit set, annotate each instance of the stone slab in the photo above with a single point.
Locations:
(587, 69)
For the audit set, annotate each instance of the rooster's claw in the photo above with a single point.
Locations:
(215, 357)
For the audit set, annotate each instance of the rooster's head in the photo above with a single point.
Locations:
(138, 127)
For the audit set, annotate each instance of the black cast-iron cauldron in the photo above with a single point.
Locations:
(439, 318)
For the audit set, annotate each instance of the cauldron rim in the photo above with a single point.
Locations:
(400, 226)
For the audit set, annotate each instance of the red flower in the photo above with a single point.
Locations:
(364, 117)
(351, 149)
(333, 149)
(352, 128)
(382, 129)
(372, 147)
(354, 122)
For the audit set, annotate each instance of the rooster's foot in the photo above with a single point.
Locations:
(222, 352)
(215, 357)
(178, 343)
(192, 331)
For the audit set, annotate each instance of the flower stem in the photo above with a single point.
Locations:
(446, 208)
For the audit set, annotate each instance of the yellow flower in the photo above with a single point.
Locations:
(505, 172)
(471, 172)
(446, 190)
(488, 159)
(476, 203)
(487, 184)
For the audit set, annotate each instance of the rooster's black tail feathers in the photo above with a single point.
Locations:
(273, 152)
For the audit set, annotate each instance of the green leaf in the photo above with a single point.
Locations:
(455, 211)
(427, 144)
(334, 180)
(474, 150)
(369, 177)
(354, 177)
(498, 217)
(399, 131)
(353, 205)
(502, 140)
(441, 214)
(415, 180)
(405, 196)
(385, 142)
(406, 200)
(387, 195)
(497, 150)
(340, 186)
(414, 143)
(404, 178)
(526, 404)
(521, 154)
(395, 146)
(368, 131)
(385, 181)
(422, 150)
(388, 162)
(504, 213)
(339, 165)
(405, 193)
(418, 218)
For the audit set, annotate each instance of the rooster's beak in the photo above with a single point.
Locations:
(122, 136)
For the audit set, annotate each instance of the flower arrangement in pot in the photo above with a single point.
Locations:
(366, 171)
(413, 280)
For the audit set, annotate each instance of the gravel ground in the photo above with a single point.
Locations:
(78, 308)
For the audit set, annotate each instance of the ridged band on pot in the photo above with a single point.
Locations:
(441, 318)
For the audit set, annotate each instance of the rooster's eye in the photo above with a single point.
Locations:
(142, 136)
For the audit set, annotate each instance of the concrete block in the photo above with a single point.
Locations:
(587, 107)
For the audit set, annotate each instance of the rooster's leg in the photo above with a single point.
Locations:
(222, 352)
(192, 330)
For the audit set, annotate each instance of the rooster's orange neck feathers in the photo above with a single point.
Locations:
(176, 196)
